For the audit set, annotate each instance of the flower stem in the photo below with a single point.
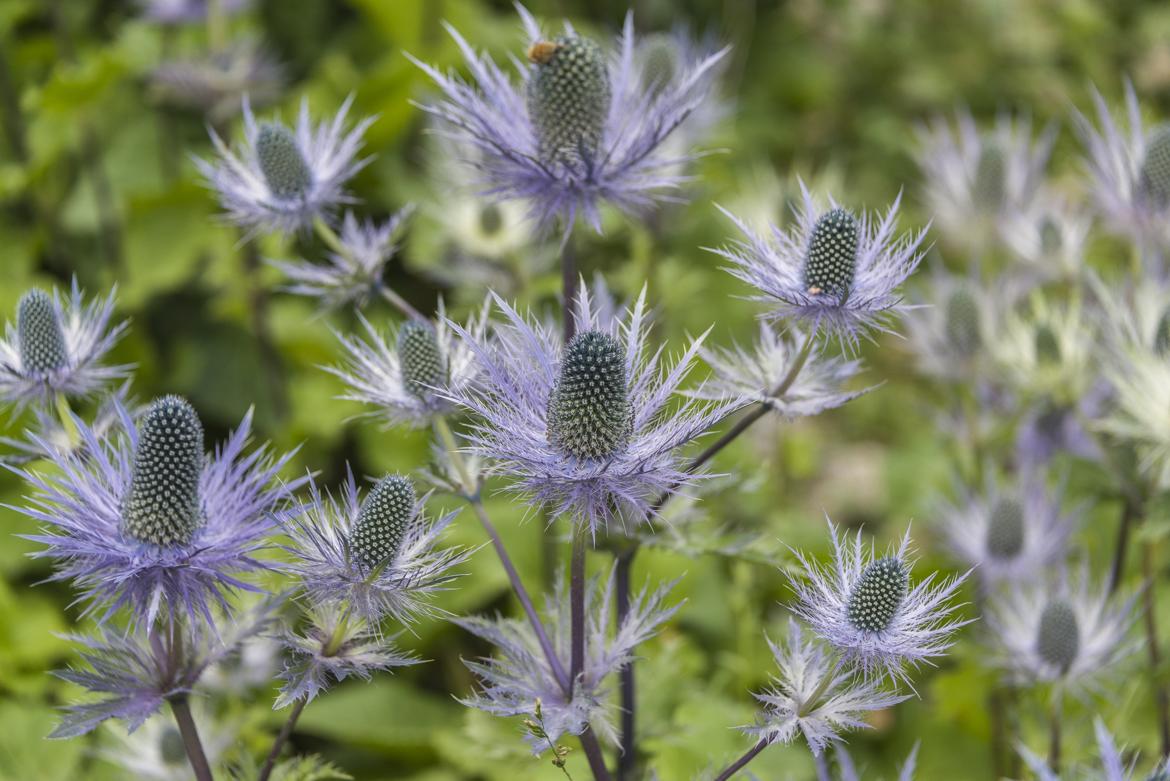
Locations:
(281, 739)
(471, 494)
(1161, 698)
(739, 764)
(331, 240)
(577, 604)
(1054, 719)
(568, 286)
(625, 559)
(1130, 509)
(190, 735)
(822, 766)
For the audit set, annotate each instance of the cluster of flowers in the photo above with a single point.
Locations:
(586, 420)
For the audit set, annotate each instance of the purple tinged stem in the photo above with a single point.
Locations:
(739, 764)
(191, 741)
(1161, 698)
(281, 739)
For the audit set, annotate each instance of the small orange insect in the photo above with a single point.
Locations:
(542, 52)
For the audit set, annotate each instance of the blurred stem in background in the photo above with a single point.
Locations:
(1161, 698)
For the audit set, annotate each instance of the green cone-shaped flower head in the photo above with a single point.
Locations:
(989, 186)
(878, 594)
(383, 520)
(568, 97)
(832, 254)
(1047, 345)
(589, 413)
(1162, 333)
(162, 506)
(423, 367)
(1005, 528)
(281, 161)
(1059, 638)
(963, 323)
(1154, 175)
(39, 336)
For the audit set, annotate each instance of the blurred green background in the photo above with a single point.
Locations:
(97, 181)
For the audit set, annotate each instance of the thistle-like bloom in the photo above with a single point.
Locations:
(282, 178)
(377, 555)
(1140, 378)
(1113, 767)
(186, 11)
(1050, 235)
(215, 85)
(777, 375)
(580, 128)
(408, 374)
(815, 695)
(353, 272)
(520, 677)
(1130, 170)
(582, 428)
(865, 607)
(144, 518)
(155, 751)
(1065, 631)
(137, 671)
(331, 648)
(835, 273)
(50, 436)
(1010, 532)
(1046, 349)
(949, 330)
(975, 179)
(56, 345)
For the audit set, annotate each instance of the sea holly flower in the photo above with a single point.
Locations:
(353, 272)
(216, 84)
(974, 179)
(377, 556)
(599, 453)
(834, 273)
(1011, 532)
(56, 346)
(949, 329)
(1063, 631)
(1045, 349)
(814, 696)
(51, 435)
(406, 375)
(773, 375)
(135, 672)
(143, 518)
(581, 128)
(519, 679)
(1050, 235)
(331, 647)
(1129, 167)
(1139, 377)
(281, 179)
(865, 607)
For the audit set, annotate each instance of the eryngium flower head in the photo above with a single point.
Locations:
(1046, 349)
(119, 517)
(215, 84)
(865, 607)
(353, 273)
(1113, 767)
(835, 273)
(949, 329)
(55, 346)
(136, 671)
(1010, 532)
(773, 375)
(281, 178)
(519, 676)
(1140, 378)
(975, 179)
(814, 695)
(50, 435)
(1065, 630)
(407, 378)
(378, 556)
(331, 647)
(1128, 167)
(596, 458)
(1051, 235)
(580, 128)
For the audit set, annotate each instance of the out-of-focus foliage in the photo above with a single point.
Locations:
(97, 181)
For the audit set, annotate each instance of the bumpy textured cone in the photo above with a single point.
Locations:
(878, 594)
(990, 178)
(383, 520)
(832, 254)
(171, 747)
(281, 161)
(423, 367)
(491, 219)
(1047, 345)
(589, 414)
(39, 335)
(1050, 239)
(1154, 177)
(568, 98)
(660, 61)
(963, 323)
(1162, 335)
(162, 506)
(1059, 638)
(1005, 529)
